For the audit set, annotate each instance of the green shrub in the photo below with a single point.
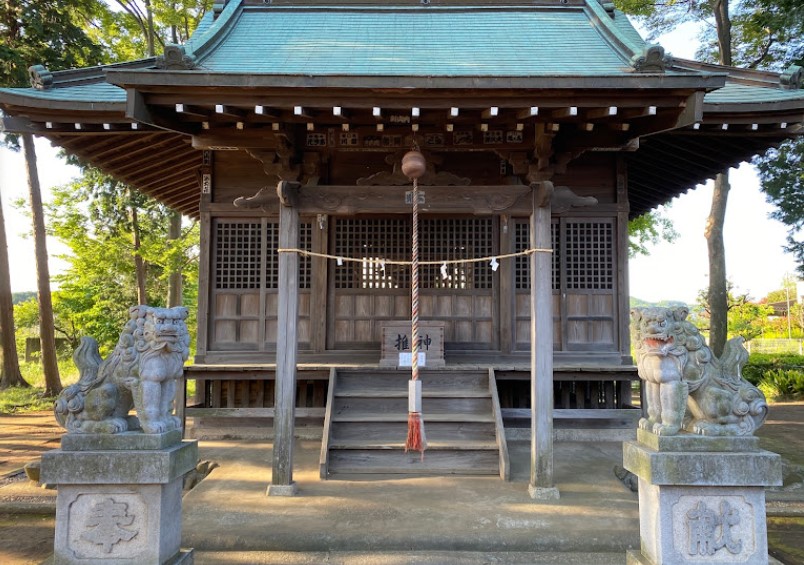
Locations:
(783, 384)
(761, 365)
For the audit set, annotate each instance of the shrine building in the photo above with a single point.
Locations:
(281, 125)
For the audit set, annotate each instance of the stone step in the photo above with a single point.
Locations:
(406, 557)
(396, 461)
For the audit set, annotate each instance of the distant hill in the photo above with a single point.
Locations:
(639, 303)
(17, 297)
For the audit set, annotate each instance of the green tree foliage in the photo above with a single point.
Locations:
(745, 317)
(44, 32)
(782, 174)
(91, 217)
(141, 28)
(649, 229)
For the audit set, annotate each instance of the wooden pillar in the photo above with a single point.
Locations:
(541, 485)
(286, 344)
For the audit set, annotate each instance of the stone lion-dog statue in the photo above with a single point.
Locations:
(140, 373)
(686, 386)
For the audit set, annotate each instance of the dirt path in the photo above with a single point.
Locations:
(24, 437)
(26, 539)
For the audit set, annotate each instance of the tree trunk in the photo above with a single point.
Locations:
(723, 26)
(174, 297)
(139, 264)
(718, 286)
(47, 332)
(718, 290)
(10, 370)
(151, 39)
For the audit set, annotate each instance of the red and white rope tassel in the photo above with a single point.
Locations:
(413, 166)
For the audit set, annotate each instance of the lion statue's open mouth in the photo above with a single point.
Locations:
(686, 386)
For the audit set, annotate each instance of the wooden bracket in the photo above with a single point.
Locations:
(288, 193)
(279, 163)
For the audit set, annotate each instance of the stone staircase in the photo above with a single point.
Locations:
(366, 424)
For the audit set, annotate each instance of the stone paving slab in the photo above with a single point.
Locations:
(406, 558)
(229, 510)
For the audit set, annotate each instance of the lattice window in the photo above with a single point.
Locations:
(459, 238)
(237, 251)
(305, 262)
(272, 260)
(589, 255)
(372, 239)
(522, 265)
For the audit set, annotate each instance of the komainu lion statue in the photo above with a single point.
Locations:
(140, 373)
(686, 386)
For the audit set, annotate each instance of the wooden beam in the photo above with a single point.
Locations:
(191, 110)
(138, 110)
(166, 158)
(282, 483)
(541, 486)
(391, 199)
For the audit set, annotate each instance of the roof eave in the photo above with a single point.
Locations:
(196, 79)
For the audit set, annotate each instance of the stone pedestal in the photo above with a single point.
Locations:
(701, 499)
(119, 498)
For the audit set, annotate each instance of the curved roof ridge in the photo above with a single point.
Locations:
(750, 77)
(199, 45)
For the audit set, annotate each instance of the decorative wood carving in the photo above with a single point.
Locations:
(563, 199)
(652, 59)
(397, 178)
(279, 164)
(175, 58)
(260, 199)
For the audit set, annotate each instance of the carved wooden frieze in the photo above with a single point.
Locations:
(391, 199)
(395, 177)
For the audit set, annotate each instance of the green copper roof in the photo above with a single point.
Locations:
(97, 92)
(734, 93)
(420, 41)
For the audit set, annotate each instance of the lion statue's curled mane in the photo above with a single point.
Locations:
(140, 373)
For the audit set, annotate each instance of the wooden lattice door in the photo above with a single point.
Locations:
(364, 295)
(584, 280)
(243, 285)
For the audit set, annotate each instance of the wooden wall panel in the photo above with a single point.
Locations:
(236, 174)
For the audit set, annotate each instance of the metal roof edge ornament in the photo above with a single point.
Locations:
(792, 78)
(652, 59)
(609, 7)
(41, 78)
(217, 8)
(176, 58)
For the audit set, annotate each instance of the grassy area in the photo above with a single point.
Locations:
(31, 399)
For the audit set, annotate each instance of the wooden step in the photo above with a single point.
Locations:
(402, 392)
(403, 417)
(397, 431)
(400, 404)
(396, 461)
(432, 444)
(351, 380)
